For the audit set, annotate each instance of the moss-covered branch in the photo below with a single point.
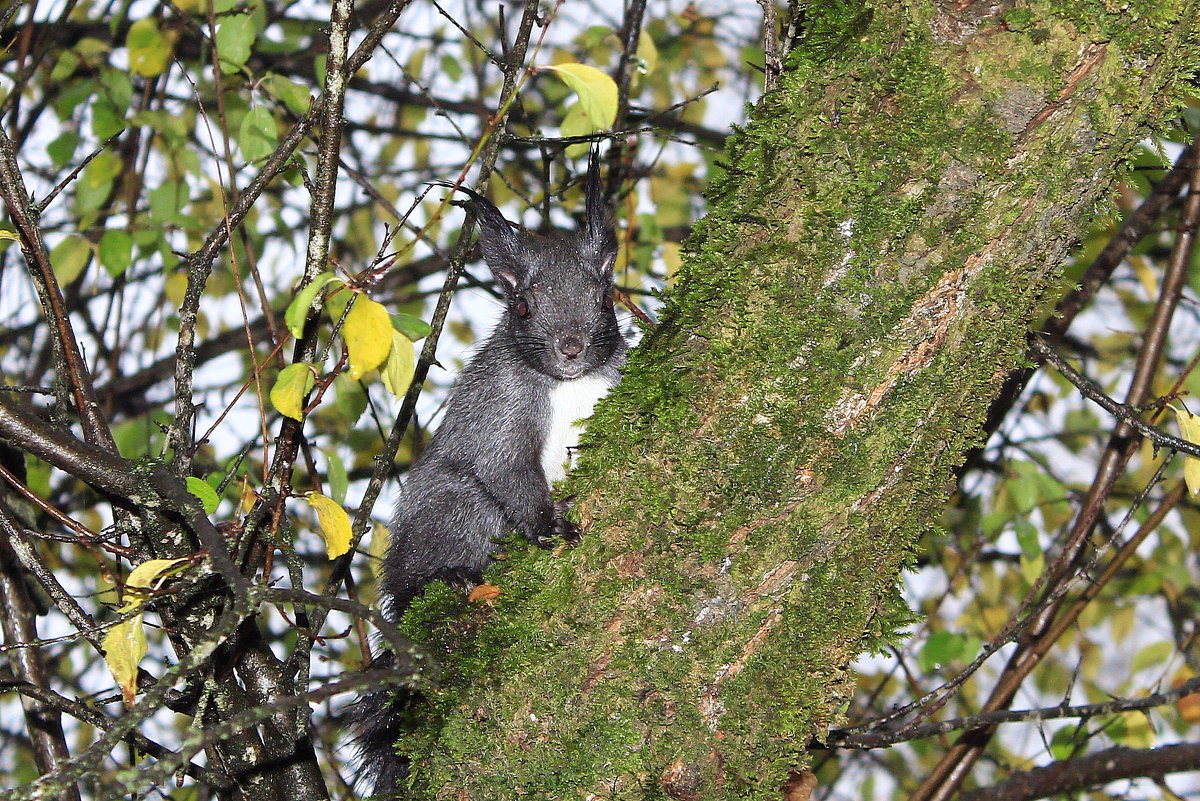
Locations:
(887, 225)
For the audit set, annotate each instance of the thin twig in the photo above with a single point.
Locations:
(883, 739)
(1122, 411)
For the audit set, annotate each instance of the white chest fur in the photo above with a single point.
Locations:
(570, 403)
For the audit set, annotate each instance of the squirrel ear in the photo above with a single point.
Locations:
(597, 233)
(500, 243)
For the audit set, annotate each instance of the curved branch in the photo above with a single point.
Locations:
(1093, 770)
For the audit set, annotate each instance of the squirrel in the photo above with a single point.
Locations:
(511, 422)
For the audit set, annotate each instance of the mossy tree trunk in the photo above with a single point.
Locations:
(888, 224)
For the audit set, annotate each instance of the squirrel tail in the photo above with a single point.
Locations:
(378, 720)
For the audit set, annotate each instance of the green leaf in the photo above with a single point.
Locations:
(294, 95)
(173, 126)
(451, 67)
(68, 60)
(401, 363)
(207, 495)
(411, 326)
(335, 304)
(351, 401)
(647, 53)
(297, 310)
(335, 475)
(1153, 655)
(944, 647)
(167, 200)
(62, 148)
(294, 382)
(69, 257)
(149, 49)
(106, 120)
(596, 90)
(118, 86)
(1027, 537)
(95, 185)
(1068, 741)
(257, 136)
(116, 251)
(235, 36)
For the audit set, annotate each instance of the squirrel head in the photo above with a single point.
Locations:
(558, 288)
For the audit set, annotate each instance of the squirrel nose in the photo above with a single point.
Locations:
(570, 347)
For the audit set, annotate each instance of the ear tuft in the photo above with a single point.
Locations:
(597, 235)
(500, 242)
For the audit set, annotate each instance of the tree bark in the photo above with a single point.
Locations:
(879, 242)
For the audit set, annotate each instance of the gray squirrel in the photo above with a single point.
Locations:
(509, 425)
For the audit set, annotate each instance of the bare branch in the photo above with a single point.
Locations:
(1122, 411)
(1093, 770)
(18, 616)
(885, 738)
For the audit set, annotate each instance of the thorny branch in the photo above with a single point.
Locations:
(1124, 412)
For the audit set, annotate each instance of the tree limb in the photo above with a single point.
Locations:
(1092, 770)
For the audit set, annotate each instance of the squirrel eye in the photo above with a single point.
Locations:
(608, 302)
(522, 308)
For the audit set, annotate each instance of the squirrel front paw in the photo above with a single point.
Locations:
(559, 528)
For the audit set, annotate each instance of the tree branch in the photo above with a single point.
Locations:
(1124, 412)
(885, 738)
(1092, 770)
(147, 485)
(67, 356)
(18, 616)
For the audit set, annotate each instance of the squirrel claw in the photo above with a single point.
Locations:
(560, 527)
(461, 578)
(564, 529)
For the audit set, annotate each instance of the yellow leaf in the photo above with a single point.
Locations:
(1189, 426)
(334, 523)
(7, 234)
(1146, 274)
(293, 384)
(248, 499)
(597, 92)
(401, 364)
(380, 540)
(149, 48)
(124, 646)
(368, 335)
(147, 577)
